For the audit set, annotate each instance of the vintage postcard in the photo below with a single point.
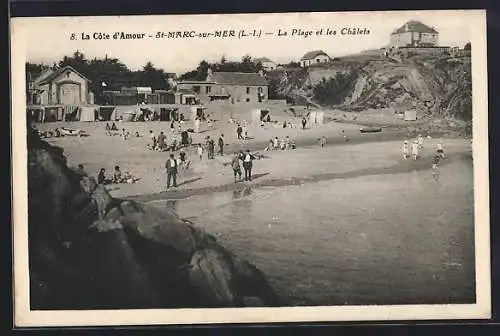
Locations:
(293, 167)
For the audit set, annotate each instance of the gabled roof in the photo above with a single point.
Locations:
(263, 60)
(42, 75)
(237, 78)
(313, 54)
(415, 27)
(56, 73)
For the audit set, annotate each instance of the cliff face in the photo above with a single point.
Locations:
(438, 86)
(90, 251)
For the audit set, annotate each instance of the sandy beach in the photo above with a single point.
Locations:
(363, 154)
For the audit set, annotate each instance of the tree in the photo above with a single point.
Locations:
(467, 46)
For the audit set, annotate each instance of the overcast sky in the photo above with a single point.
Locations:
(48, 39)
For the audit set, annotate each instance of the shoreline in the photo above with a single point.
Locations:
(423, 163)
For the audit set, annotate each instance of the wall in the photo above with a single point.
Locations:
(401, 40)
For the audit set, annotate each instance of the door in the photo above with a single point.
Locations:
(69, 94)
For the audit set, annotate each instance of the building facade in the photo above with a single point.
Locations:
(234, 87)
(414, 34)
(314, 57)
(64, 86)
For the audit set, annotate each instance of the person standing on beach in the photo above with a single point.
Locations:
(245, 131)
(221, 144)
(440, 150)
(200, 151)
(247, 165)
(304, 122)
(197, 122)
(239, 130)
(172, 127)
(153, 138)
(161, 141)
(171, 166)
(414, 150)
(406, 150)
(275, 143)
(235, 164)
(210, 148)
(287, 142)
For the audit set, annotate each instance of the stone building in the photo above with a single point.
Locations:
(414, 34)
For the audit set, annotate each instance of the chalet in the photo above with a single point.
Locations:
(235, 87)
(414, 34)
(64, 86)
(267, 64)
(314, 57)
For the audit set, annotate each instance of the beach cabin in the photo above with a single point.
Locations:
(259, 115)
(411, 115)
(316, 117)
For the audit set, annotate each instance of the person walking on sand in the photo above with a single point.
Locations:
(171, 167)
(420, 140)
(304, 122)
(235, 164)
(247, 165)
(414, 150)
(199, 149)
(197, 122)
(221, 144)
(239, 130)
(406, 150)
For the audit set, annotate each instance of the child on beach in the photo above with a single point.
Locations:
(275, 143)
(117, 175)
(200, 151)
(414, 150)
(287, 142)
(440, 150)
(270, 146)
(406, 150)
(322, 141)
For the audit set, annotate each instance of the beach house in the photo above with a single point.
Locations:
(233, 87)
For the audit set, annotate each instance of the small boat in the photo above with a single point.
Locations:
(370, 129)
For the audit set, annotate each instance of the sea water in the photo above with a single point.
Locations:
(382, 239)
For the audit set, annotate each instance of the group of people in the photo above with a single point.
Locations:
(283, 144)
(179, 140)
(246, 159)
(416, 148)
(117, 177)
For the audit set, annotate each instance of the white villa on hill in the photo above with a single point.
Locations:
(414, 34)
(314, 57)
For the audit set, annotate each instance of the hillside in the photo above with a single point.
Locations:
(435, 86)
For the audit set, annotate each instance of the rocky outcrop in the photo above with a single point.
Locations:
(89, 251)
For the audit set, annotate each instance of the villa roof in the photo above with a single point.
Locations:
(237, 78)
(313, 54)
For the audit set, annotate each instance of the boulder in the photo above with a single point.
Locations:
(90, 251)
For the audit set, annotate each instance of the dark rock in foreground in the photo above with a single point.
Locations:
(90, 251)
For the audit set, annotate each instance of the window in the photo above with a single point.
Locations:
(196, 88)
(248, 90)
(248, 99)
(318, 60)
(208, 89)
